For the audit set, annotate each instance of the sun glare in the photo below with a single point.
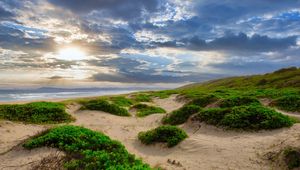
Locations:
(71, 53)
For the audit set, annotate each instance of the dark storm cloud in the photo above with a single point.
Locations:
(57, 77)
(231, 42)
(125, 9)
(4, 14)
(12, 38)
(221, 12)
(243, 42)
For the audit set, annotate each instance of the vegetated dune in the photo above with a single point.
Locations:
(207, 146)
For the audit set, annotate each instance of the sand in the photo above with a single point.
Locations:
(207, 147)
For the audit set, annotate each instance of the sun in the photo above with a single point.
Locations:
(71, 54)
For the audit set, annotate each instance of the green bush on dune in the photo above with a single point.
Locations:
(87, 149)
(171, 135)
(204, 100)
(238, 101)
(105, 106)
(212, 116)
(292, 158)
(253, 117)
(181, 115)
(37, 112)
(142, 97)
(288, 103)
(121, 101)
(145, 110)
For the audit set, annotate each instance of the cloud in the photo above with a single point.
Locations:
(125, 9)
(4, 14)
(57, 77)
(171, 41)
(238, 42)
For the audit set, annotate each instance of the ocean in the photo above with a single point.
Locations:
(44, 93)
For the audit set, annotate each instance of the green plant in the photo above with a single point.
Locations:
(37, 112)
(172, 135)
(204, 100)
(181, 115)
(288, 103)
(87, 149)
(253, 117)
(140, 97)
(238, 101)
(121, 101)
(105, 106)
(292, 158)
(212, 116)
(145, 110)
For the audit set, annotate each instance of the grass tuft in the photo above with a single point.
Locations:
(37, 112)
(122, 101)
(288, 103)
(105, 106)
(171, 135)
(145, 110)
(238, 101)
(141, 97)
(87, 149)
(253, 117)
(292, 158)
(204, 100)
(181, 115)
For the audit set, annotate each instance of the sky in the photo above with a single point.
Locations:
(144, 42)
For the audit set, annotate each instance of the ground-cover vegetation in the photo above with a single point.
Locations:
(291, 157)
(204, 100)
(87, 149)
(252, 117)
(171, 135)
(145, 110)
(36, 112)
(105, 106)
(288, 103)
(121, 101)
(272, 85)
(181, 115)
(142, 97)
(238, 101)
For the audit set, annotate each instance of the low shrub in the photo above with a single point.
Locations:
(181, 115)
(145, 110)
(171, 135)
(121, 101)
(292, 158)
(288, 103)
(203, 101)
(142, 97)
(87, 149)
(238, 101)
(37, 112)
(105, 106)
(253, 117)
(212, 116)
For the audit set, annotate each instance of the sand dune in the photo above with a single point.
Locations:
(207, 147)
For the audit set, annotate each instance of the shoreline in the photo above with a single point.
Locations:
(65, 99)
